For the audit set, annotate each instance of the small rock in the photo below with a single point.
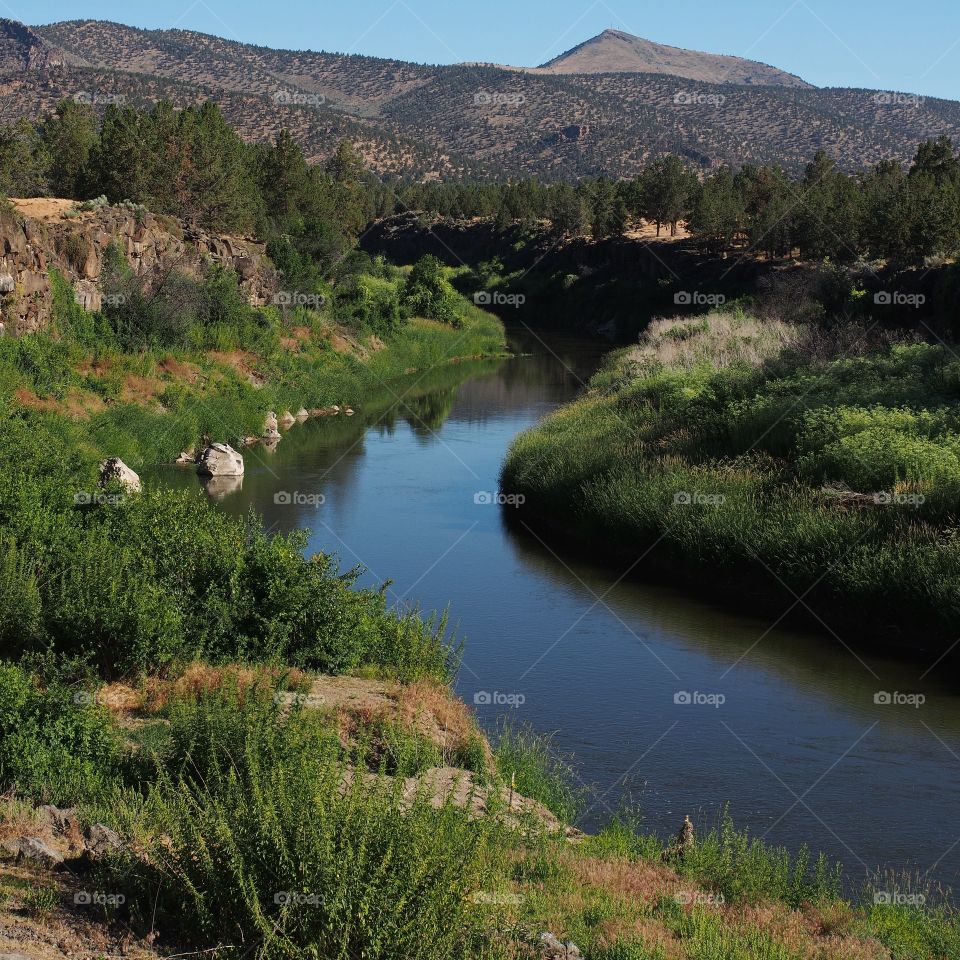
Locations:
(186, 457)
(685, 838)
(348, 412)
(100, 840)
(7, 283)
(303, 414)
(33, 850)
(334, 409)
(270, 431)
(116, 469)
(551, 948)
(220, 460)
(287, 418)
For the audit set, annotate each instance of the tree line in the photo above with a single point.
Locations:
(190, 163)
(903, 214)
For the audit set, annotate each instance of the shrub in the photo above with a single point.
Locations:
(428, 292)
(54, 745)
(266, 841)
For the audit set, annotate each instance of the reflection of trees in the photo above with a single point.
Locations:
(806, 660)
(426, 414)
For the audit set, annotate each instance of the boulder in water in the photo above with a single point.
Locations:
(270, 431)
(220, 460)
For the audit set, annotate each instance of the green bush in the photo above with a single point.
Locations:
(55, 744)
(264, 840)
(430, 294)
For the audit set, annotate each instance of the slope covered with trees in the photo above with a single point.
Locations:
(504, 122)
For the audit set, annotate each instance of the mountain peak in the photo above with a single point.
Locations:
(615, 51)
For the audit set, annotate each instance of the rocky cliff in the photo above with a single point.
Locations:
(40, 234)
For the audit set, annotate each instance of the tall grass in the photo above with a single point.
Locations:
(840, 475)
(256, 837)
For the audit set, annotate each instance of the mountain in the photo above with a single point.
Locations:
(479, 120)
(21, 49)
(614, 51)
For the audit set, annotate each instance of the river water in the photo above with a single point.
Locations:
(628, 677)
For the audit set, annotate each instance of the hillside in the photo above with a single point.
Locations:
(561, 121)
(614, 51)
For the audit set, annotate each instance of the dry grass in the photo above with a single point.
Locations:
(431, 708)
(202, 679)
(720, 338)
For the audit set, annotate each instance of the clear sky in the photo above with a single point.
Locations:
(911, 46)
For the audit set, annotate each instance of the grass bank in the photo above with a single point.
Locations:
(766, 461)
(107, 390)
(263, 817)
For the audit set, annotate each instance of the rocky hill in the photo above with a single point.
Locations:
(560, 121)
(38, 234)
(614, 51)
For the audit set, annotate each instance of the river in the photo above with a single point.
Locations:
(666, 703)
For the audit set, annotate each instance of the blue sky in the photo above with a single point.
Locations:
(884, 44)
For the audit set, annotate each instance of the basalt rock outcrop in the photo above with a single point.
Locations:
(36, 235)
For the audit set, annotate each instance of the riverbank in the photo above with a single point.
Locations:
(768, 461)
(244, 808)
(145, 405)
(168, 597)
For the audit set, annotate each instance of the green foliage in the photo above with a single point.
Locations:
(69, 137)
(528, 764)
(743, 868)
(41, 901)
(259, 835)
(429, 293)
(54, 744)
